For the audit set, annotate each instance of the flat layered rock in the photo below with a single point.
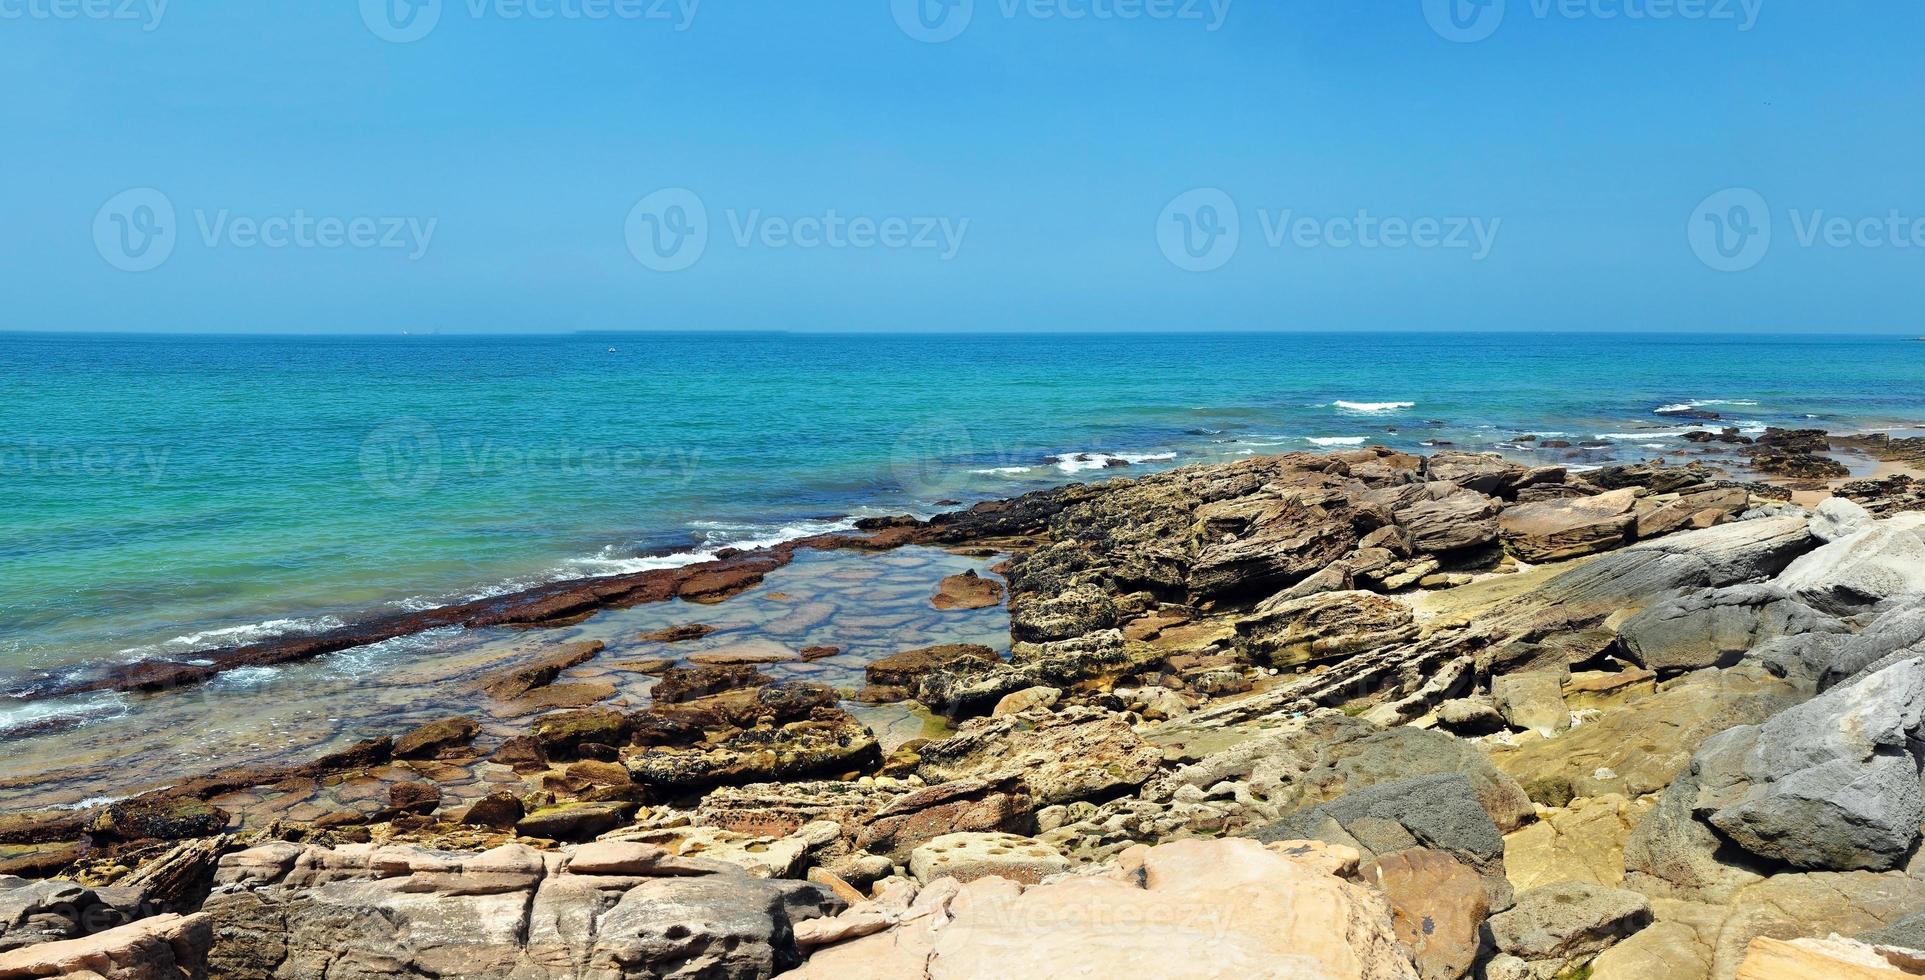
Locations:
(1552, 530)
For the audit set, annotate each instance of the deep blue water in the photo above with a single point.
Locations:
(166, 492)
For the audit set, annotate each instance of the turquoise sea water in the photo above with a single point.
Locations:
(167, 493)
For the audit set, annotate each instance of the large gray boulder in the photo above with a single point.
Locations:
(1897, 633)
(1861, 570)
(1440, 812)
(1831, 784)
(1717, 627)
(1838, 518)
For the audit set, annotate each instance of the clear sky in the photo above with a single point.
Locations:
(464, 165)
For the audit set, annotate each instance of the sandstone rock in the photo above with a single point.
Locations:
(746, 652)
(302, 913)
(162, 817)
(1469, 717)
(677, 634)
(521, 679)
(1861, 570)
(574, 821)
(680, 684)
(1836, 518)
(410, 796)
(968, 856)
(1185, 910)
(1716, 627)
(1557, 927)
(967, 591)
(955, 807)
(826, 741)
(1827, 959)
(1532, 700)
(1437, 905)
(1071, 612)
(1642, 740)
(1485, 473)
(1291, 631)
(1025, 699)
(1448, 519)
(563, 732)
(498, 810)
(1071, 757)
(163, 947)
(1552, 530)
(906, 669)
(1582, 842)
(432, 738)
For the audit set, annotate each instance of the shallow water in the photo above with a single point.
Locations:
(167, 493)
(870, 605)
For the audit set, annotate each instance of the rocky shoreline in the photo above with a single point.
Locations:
(1363, 714)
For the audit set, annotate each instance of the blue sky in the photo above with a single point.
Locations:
(501, 172)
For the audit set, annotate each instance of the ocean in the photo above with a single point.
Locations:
(167, 493)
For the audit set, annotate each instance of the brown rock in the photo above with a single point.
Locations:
(516, 681)
(677, 634)
(815, 653)
(680, 684)
(967, 591)
(599, 773)
(498, 810)
(412, 797)
(1553, 530)
(430, 739)
(1437, 907)
(955, 807)
(906, 668)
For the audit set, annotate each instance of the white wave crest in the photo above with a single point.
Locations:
(1373, 408)
(1336, 440)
